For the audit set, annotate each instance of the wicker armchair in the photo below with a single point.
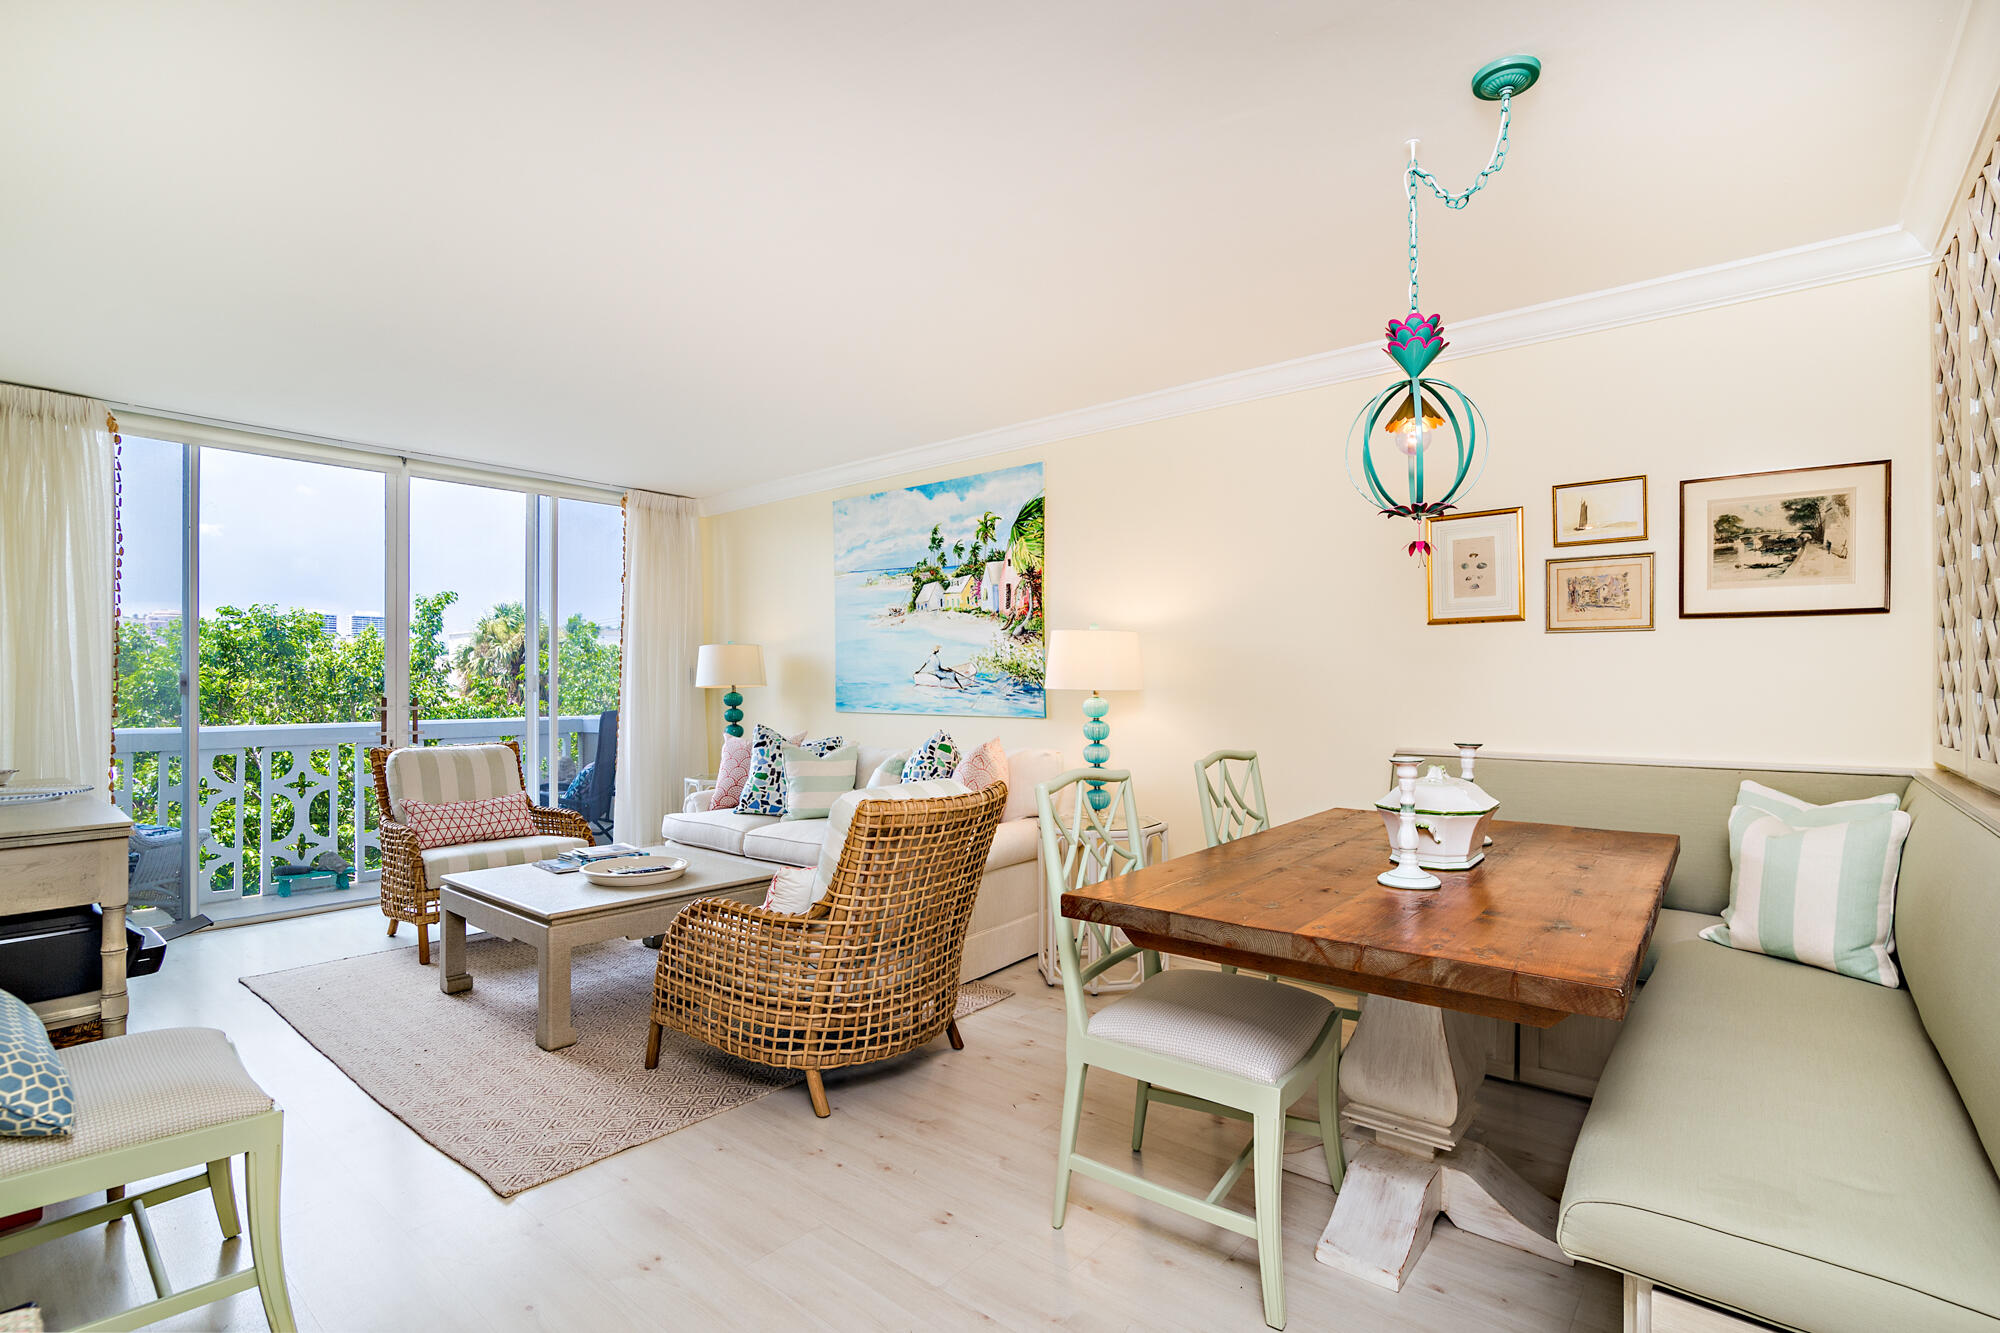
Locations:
(870, 972)
(407, 893)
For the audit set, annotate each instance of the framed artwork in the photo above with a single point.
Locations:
(1474, 567)
(937, 598)
(1600, 592)
(1797, 542)
(1589, 512)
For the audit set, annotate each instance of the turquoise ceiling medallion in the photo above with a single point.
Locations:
(1430, 447)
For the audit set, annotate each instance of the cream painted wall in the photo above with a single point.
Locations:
(1278, 612)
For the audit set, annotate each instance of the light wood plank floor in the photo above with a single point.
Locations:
(922, 1203)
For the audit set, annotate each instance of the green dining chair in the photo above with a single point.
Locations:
(1215, 1042)
(1231, 786)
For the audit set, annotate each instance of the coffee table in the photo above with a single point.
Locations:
(557, 913)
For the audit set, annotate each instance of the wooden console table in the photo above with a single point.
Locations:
(71, 853)
(1555, 922)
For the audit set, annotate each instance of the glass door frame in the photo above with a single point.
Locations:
(541, 734)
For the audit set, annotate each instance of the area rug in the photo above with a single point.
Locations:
(464, 1072)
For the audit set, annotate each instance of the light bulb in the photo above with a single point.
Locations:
(1413, 439)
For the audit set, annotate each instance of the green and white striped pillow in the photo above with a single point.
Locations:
(1815, 883)
(814, 781)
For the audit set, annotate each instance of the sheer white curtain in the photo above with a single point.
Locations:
(55, 585)
(661, 721)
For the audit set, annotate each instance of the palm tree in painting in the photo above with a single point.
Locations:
(1024, 550)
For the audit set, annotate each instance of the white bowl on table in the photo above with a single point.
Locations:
(632, 872)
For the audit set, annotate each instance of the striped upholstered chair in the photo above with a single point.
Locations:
(441, 773)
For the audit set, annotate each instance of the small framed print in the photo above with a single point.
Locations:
(1600, 592)
(1590, 512)
(1474, 567)
(1798, 542)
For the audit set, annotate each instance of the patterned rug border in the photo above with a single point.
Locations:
(974, 996)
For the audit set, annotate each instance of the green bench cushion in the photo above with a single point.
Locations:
(1785, 1141)
(1673, 927)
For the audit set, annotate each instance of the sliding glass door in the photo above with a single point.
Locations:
(313, 588)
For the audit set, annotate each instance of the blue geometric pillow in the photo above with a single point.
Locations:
(764, 793)
(35, 1098)
(935, 758)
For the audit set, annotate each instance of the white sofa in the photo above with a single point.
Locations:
(1006, 921)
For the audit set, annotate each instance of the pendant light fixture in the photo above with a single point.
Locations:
(1420, 444)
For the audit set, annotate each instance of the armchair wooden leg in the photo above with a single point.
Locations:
(653, 1045)
(951, 1031)
(424, 945)
(393, 923)
(818, 1091)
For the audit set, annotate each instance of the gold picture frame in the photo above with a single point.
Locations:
(1612, 492)
(1479, 593)
(1585, 594)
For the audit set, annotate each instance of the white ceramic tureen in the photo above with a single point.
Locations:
(1452, 815)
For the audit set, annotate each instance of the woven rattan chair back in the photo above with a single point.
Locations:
(871, 972)
(1231, 786)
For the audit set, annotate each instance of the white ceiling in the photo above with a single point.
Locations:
(694, 246)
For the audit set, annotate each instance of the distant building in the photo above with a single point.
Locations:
(153, 622)
(357, 623)
(331, 621)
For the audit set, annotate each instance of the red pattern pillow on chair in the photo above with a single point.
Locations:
(452, 823)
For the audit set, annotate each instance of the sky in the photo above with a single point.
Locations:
(311, 535)
(892, 529)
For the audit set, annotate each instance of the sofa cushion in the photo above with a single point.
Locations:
(1947, 925)
(788, 842)
(812, 781)
(717, 830)
(1785, 1141)
(1673, 927)
(440, 861)
(1026, 768)
(1015, 841)
(879, 766)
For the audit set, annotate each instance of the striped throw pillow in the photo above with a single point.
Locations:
(814, 780)
(1815, 883)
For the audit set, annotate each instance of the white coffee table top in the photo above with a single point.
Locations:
(540, 895)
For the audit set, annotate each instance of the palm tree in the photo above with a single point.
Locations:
(499, 648)
(1024, 549)
(982, 534)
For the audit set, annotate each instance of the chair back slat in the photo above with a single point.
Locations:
(1230, 784)
(444, 773)
(1083, 846)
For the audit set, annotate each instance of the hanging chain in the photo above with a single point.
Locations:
(1414, 173)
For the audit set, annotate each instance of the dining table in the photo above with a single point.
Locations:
(1554, 921)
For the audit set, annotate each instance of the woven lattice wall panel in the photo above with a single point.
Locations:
(1965, 387)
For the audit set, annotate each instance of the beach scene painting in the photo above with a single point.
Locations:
(938, 595)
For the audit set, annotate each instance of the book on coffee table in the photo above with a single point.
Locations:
(578, 857)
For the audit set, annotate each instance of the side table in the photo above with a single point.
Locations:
(689, 786)
(67, 853)
(1154, 836)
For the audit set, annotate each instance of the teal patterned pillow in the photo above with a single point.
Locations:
(935, 758)
(35, 1100)
(764, 793)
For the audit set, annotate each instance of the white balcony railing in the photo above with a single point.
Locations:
(271, 794)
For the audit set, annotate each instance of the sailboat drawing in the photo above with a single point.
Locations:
(1582, 516)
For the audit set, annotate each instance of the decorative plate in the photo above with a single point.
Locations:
(20, 793)
(632, 872)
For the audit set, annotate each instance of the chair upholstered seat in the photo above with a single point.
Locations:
(1224, 1021)
(441, 861)
(142, 1087)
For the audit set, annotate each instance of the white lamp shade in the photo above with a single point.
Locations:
(1093, 659)
(721, 665)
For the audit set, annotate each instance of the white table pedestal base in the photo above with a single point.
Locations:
(1410, 1078)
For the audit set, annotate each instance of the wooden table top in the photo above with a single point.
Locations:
(1554, 922)
(541, 896)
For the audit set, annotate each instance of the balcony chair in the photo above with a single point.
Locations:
(410, 874)
(148, 1104)
(1215, 1042)
(594, 801)
(870, 972)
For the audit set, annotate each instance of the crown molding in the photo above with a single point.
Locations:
(1964, 119)
(1860, 255)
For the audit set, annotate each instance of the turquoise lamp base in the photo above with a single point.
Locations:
(732, 712)
(1095, 751)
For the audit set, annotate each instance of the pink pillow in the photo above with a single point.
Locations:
(452, 823)
(731, 772)
(984, 766)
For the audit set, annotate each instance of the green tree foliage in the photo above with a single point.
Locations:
(261, 666)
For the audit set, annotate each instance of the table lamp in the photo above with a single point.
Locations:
(1094, 659)
(724, 666)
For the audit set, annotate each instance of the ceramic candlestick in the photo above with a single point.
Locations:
(1407, 874)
